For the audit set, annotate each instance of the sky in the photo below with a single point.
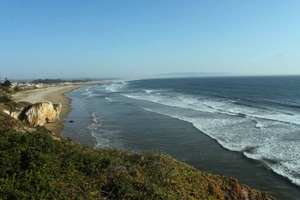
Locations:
(137, 38)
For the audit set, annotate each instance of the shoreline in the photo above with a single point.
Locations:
(154, 132)
(55, 95)
(52, 94)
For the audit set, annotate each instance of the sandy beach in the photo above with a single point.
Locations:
(55, 95)
(52, 94)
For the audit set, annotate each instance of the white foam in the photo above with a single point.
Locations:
(108, 99)
(241, 134)
(282, 156)
(154, 91)
(95, 118)
(213, 106)
(149, 91)
(87, 92)
(288, 170)
(103, 136)
(258, 133)
(115, 86)
(259, 125)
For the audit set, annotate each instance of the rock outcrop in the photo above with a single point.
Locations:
(39, 114)
(15, 114)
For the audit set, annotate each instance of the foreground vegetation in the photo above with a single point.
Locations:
(35, 166)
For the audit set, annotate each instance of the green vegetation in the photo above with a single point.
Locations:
(6, 86)
(5, 97)
(6, 83)
(36, 166)
(8, 103)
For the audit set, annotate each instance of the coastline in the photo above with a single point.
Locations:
(113, 122)
(52, 94)
(55, 95)
(208, 163)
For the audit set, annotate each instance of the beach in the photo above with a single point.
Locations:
(53, 94)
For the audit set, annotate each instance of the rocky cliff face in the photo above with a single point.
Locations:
(39, 114)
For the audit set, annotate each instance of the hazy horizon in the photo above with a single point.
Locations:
(109, 39)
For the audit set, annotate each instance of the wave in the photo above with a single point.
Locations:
(265, 105)
(255, 131)
(254, 128)
(280, 157)
(259, 124)
(103, 135)
(226, 107)
(87, 91)
(115, 86)
(289, 105)
(255, 142)
(95, 119)
(155, 91)
(108, 99)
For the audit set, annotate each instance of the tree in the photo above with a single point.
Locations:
(6, 83)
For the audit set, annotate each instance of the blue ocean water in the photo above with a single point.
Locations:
(253, 117)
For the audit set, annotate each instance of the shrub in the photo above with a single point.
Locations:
(34, 166)
(5, 98)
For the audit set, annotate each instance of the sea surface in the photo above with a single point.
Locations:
(244, 127)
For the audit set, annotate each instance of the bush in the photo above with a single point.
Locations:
(34, 166)
(6, 83)
(5, 98)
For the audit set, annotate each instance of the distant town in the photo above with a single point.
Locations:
(15, 86)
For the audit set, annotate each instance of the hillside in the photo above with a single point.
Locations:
(35, 166)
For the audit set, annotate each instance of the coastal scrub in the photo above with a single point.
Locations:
(34, 166)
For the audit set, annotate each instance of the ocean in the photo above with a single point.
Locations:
(243, 127)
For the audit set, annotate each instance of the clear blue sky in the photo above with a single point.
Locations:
(104, 38)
